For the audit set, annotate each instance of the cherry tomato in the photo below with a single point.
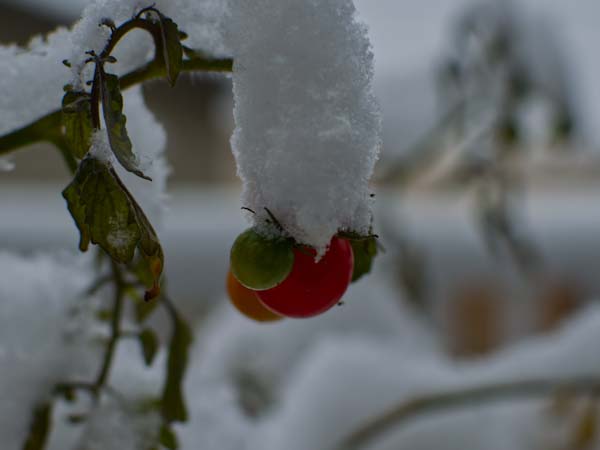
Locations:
(247, 303)
(312, 287)
(259, 262)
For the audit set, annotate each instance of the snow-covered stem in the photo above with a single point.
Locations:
(48, 127)
(459, 398)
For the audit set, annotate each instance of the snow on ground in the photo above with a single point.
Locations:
(242, 370)
(297, 384)
(49, 335)
(45, 334)
(318, 380)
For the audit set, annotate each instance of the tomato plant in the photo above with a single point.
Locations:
(312, 287)
(247, 303)
(259, 262)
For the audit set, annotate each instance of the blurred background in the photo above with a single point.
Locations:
(487, 184)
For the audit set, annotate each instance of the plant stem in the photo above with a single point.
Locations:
(43, 129)
(456, 398)
(115, 329)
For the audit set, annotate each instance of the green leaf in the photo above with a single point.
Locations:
(112, 108)
(364, 251)
(107, 215)
(77, 120)
(102, 210)
(149, 343)
(171, 48)
(168, 438)
(39, 428)
(104, 315)
(173, 404)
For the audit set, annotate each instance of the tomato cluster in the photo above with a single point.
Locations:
(271, 278)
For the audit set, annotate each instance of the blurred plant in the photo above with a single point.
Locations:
(584, 432)
(486, 86)
(480, 143)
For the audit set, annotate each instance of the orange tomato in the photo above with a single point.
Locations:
(247, 303)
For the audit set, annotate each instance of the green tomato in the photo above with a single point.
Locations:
(364, 251)
(259, 262)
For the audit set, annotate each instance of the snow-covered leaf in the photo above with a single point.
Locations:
(112, 107)
(102, 210)
(107, 215)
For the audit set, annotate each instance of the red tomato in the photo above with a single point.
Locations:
(312, 287)
(247, 303)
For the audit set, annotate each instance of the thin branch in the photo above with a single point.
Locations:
(115, 329)
(121, 31)
(43, 129)
(460, 398)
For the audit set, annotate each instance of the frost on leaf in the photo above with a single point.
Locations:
(107, 215)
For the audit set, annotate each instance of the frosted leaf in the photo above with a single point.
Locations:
(307, 124)
(149, 141)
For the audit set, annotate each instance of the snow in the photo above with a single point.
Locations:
(129, 430)
(133, 424)
(100, 148)
(326, 379)
(49, 334)
(201, 20)
(307, 124)
(32, 79)
(149, 141)
(28, 93)
(292, 385)
(235, 355)
(295, 384)
(45, 334)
